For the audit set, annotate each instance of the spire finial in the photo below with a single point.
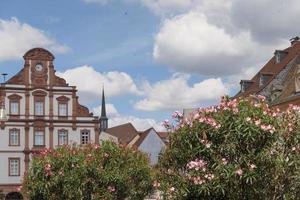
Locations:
(103, 117)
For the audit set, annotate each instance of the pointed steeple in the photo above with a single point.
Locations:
(103, 117)
(103, 107)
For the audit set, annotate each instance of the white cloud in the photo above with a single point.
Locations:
(115, 119)
(89, 82)
(16, 38)
(175, 93)
(140, 124)
(190, 43)
(111, 111)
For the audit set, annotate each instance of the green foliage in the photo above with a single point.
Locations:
(2, 196)
(109, 171)
(240, 149)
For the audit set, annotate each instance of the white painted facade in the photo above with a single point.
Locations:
(153, 146)
(107, 137)
(27, 123)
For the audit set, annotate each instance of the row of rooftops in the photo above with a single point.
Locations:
(271, 69)
(126, 134)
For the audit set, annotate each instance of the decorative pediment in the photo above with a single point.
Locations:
(83, 111)
(59, 81)
(17, 79)
(62, 99)
(39, 93)
(14, 97)
(39, 54)
(39, 124)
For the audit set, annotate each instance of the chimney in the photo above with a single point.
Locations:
(245, 85)
(280, 55)
(294, 40)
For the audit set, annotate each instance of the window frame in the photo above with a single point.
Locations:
(14, 98)
(10, 107)
(58, 136)
(34, 134)
(43, 108)
(59, 112)
(89, 136)
(9, 166)
(10, 137)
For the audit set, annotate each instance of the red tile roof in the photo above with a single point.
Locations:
(163, 135)
(272, 68)
(125, 132)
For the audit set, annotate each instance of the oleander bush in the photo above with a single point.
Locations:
(240, 149)
(107, 171)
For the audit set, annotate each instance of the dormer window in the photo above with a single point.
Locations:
(264, 78)
(280, 55)
(245, 84)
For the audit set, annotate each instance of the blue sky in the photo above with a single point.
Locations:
(153, 56)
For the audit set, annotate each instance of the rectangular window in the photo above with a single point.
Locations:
(14, 137)
(85, 137)
(39, 108)
(39, 138)
(62, 137)
(62, 109)
(14, 166)
(14, 108)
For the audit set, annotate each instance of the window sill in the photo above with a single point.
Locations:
(39, 146)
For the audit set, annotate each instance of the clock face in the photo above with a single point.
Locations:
(39, 67)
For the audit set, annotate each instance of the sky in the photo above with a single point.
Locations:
(152, 56)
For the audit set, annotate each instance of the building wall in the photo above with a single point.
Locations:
(152, 145)
(78, 118)
(107, 137)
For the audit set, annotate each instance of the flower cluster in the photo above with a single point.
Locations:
(47, 169)
(198, 164)
(229, 105)
(265, 127)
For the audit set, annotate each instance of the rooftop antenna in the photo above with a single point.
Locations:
(4, 76)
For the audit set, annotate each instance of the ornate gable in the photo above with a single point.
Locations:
(17, 79)
(39, 54)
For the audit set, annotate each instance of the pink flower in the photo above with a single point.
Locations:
(239, 172)
(224, 161)
(61, 172)
(261, 97)
(257, 122)
(19, 188)
(156, 184)
(111, 189)
(208, 145)
(172, 189)
(252, 166)
(47, 167)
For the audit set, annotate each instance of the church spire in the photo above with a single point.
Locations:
(103, 117)
(103, 107)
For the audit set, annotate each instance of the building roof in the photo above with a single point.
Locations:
(272, 68)
(142, 137)
(163, 135)
(125, 132)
